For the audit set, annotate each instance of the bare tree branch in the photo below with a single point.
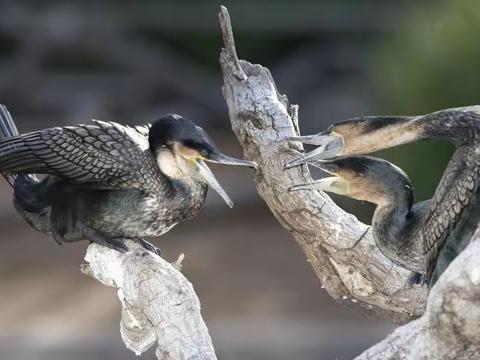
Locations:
(340, 248)
(450, 327)
(158, 303)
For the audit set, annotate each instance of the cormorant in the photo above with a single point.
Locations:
(459, 183)
(107, 182)
(396, 218)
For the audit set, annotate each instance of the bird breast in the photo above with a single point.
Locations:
(161, 213)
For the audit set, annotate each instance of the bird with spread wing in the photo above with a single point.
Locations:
(107, 182)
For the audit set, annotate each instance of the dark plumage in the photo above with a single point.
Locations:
(457, 189)
(397, 219)
(105, 181)
(372, 123)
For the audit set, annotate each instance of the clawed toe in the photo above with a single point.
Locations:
(112, 243)
(147, 246)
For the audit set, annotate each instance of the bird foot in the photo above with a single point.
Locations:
(97, 237)
(147, 246)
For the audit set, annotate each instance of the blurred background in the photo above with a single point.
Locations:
(67, 62)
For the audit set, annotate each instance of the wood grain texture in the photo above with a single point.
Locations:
(340, 248)
(158, 303)
(450, 327)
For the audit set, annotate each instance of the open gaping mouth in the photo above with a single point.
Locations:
(210, 179)
(329, 146)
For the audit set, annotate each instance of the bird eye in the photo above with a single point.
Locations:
(204, 153)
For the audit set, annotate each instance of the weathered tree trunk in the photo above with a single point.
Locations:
(158, 303)
(340, 248)
(450, 327)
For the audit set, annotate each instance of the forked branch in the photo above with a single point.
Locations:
(158, 303)
(340, 248)
(450, 327)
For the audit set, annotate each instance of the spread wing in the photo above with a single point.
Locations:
(453, 194)
(101, 155)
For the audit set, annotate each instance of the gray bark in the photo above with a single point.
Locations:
(450, 327)
(340, 248)
(158, 303)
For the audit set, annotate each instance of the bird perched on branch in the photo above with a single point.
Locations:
(108, 182)
(458, 187)
(396, 219)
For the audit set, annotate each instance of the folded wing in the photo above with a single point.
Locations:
(453, 194)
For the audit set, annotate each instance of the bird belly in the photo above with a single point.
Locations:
(128, 215)
(139, 215)
(116, 213)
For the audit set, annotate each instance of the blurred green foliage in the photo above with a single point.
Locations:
(432, 63)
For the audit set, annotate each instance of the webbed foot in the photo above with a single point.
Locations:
(148, 246)
(97, 237)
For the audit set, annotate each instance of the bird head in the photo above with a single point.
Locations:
(182, 148)
(361, 135)
(362, 178)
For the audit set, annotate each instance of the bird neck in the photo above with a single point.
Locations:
(379, 133)
(175, 169)
(391, 216)
(169, 166)
(393, 222)
(458, 126)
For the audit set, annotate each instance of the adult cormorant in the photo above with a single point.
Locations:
(459, 183)
(107, 182)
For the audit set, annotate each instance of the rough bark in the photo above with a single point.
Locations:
(158, 303)
(450, 327)
(340, 248)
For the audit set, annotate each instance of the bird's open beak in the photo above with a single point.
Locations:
(220, 158)
(329, 146)
(333, 184)
(207, 176)
(210, 179)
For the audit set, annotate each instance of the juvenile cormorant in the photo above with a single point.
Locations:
(459, 183)
(396, 219)
(107, 182)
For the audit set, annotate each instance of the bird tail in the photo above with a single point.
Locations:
(7, 130)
